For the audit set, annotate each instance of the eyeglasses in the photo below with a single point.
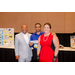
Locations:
(37, 27)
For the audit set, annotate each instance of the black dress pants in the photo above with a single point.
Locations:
(34, 57)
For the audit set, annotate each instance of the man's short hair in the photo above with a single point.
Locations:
(37, 24)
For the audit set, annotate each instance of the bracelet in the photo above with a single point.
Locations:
(54, 59)
(55, 56)
(37, 56)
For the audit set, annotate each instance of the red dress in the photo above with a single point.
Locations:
(46, 53)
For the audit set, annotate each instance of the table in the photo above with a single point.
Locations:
(66, 49)
(67, 54)
(7, 54)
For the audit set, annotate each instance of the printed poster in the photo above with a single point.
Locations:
(72, 41)
(1, 31)
(7, 37)
(1, 43)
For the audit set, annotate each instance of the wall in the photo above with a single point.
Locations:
(62, 22)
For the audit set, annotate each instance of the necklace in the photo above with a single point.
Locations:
(46, 38)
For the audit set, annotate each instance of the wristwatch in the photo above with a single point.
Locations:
(54, 59)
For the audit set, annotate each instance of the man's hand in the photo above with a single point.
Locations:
(17, 57)
(31, 43)
(53, 33)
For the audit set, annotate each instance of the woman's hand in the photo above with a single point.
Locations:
(37, 57)
(54, 59)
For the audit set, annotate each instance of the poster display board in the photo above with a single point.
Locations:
(6, 37)
(72, 42)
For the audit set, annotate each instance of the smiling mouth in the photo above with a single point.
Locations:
(24, 30)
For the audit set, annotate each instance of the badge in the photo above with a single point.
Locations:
(35, 45)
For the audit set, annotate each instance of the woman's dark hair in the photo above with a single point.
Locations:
(38, 24)
(48, 24)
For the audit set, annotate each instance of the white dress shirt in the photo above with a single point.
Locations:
(26, 37)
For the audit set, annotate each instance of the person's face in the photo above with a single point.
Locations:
(37, 28)
(24, 29)
(46, 29)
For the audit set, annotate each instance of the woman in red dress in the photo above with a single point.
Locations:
(48, 46)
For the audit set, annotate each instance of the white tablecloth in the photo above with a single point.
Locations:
(66, 49)
(60, 49)
(7, 47)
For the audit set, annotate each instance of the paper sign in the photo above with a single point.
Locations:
(7, 37)
(35, 42)
(72, 41)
